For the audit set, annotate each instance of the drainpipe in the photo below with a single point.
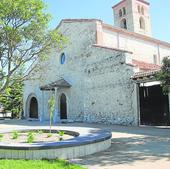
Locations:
(159, 55)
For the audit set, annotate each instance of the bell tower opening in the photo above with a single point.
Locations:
(133, 15)
(142, 23)
(123, 24)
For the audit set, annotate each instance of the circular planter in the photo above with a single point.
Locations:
(84, 143)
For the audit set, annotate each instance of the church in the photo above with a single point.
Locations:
(105, 73)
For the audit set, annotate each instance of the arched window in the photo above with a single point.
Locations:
(138, 9)
(62, 58)
(123, 24)
(142, 23)
(142, 10)
(120, 13)
(124, 11)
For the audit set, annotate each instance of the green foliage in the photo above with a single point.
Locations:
(37, 164)
(61, 134)
(49, 135)
(11, 99)
(40, 132)
(164, 75)
(1, 136)
(30, 137)
(15, 135)
(24, 36)
(51, 105)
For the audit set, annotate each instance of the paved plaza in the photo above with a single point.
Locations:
(132, 147)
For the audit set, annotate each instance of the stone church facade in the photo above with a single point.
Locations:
(96, 77)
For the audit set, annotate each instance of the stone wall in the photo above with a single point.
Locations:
(109, 91)
(101, 89)
(81, 36)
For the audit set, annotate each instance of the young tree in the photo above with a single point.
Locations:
(164, 75)
(51, 105)
(24, 36)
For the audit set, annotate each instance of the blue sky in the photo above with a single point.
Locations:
(101, 9)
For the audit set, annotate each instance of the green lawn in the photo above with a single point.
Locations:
(39, 164)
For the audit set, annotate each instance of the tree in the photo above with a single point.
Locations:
(164, 75)
(24, 36)
(51, 105)
(11, 98)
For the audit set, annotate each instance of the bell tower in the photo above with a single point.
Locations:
(133, 15)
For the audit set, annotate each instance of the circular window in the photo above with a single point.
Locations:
(62, 58)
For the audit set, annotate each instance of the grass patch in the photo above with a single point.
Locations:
(37, 164)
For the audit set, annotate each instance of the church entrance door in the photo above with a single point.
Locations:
(63, 107)
(33, 113)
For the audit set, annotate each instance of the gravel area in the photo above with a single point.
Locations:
(38, 138)
(132, 147)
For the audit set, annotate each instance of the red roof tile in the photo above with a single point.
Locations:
(149, 73)
(144, 65)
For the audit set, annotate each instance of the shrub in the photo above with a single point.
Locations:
(49, 135)
(61, 134)
(15, 135)
(40, 132)
(1, 136)
(30, 137)
(164, 75)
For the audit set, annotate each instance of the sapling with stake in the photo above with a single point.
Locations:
(51, 104)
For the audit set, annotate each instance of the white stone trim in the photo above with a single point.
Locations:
(62, 153)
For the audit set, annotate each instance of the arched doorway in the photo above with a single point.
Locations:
(33, 110)
(63, 106)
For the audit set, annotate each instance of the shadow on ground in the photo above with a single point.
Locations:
(129, 144)
(129, 150)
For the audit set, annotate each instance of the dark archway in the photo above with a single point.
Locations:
(154, 106)
(142, 10)
(63, 106)
(142, 23)
(120, 13)
(33, 111)
(123, 24)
